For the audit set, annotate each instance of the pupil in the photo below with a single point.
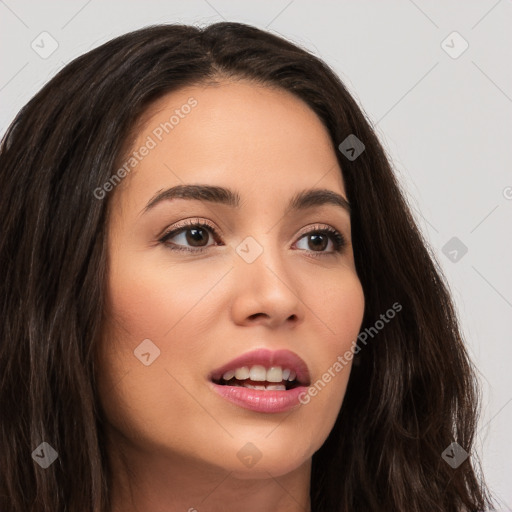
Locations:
(322, 243)
(196, 237)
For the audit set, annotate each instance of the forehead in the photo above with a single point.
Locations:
(241, 135)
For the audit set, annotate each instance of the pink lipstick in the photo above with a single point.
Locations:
(262, 380)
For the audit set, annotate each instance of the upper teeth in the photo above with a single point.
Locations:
(260, 373)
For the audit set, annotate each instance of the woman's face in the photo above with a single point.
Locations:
(182, 307)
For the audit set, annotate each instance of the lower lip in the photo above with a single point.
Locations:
(260, 400)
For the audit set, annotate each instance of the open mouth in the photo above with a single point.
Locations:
(273, 380)
(259, 377)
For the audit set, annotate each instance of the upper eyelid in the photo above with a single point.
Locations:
(190, 223)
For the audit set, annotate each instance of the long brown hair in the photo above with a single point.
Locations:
(412, 391)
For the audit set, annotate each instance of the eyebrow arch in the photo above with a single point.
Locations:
(302, 200)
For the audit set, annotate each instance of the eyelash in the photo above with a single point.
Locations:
(337, 238)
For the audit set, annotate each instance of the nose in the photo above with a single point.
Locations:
(266, 292)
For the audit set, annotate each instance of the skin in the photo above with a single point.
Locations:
(171, 441)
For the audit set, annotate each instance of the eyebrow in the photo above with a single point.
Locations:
(303, 200)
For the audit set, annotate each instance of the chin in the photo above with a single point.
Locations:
(274, 455)
(270, 468)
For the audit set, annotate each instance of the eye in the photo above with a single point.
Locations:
(318, 239)
(197, 234)
(193, 232)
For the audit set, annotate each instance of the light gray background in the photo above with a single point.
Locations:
(446, 123)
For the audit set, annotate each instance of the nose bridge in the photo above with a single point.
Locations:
(265, 284)
(260, 253)
(260, 243)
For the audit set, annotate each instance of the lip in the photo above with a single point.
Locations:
(260, 400)
(271, 401)
(267, 358)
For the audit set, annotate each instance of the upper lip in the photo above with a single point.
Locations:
(267, 358)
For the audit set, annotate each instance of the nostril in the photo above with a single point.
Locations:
(256, 315)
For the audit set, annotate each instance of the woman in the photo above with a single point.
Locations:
(214, 291)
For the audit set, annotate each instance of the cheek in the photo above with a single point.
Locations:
(171, 305)
(337, 301)
(343, 305)
(152, 298)
(148, 301)
(339, 307)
